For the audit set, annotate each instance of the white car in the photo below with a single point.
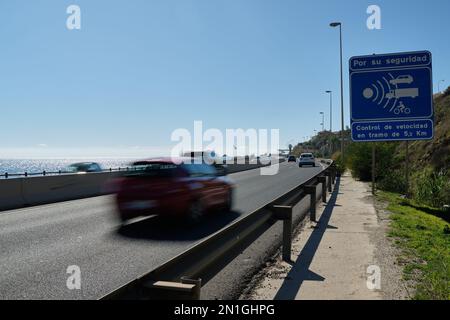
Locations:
(306, 159)
(407, 79)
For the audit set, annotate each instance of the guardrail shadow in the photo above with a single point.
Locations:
(160, 228)
(300, 270)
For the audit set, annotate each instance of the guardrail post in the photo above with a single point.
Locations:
(285, 213)
(311, 190)
(197, 289)
(329, 182)
(323, 181)
(187, 289)
(333, 174)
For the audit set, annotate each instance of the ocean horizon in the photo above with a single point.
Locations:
(18, 166)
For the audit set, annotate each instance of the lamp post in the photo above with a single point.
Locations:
(334, 25)
(331, 109)
(323, 120)
(439, 85)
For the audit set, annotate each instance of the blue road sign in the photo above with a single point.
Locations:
(391, 97)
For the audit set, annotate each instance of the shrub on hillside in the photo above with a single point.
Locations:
(359, 160)
(447, 92)
(432, 188)
(340, 165)
(395, 181)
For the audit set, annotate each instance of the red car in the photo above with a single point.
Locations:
(163, 187)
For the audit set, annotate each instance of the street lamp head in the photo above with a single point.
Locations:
(335, 24)
(328, 91)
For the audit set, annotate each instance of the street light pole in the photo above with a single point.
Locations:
(439, 85)
(339, 24)
(323, 120)
(331, 109)
(331, 122)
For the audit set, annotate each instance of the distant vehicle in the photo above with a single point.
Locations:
(166, 188)
(292, 159)
(402, 79)
(84, 167)
(403, 93)
(208, 157)
(306, 159)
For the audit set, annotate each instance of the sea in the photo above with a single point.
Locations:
(16, 166)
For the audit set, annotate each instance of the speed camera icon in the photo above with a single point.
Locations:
(383, 91)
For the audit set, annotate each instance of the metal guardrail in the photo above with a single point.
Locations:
(44, 173)
(182, 276)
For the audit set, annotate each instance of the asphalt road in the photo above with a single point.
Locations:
(38, 244)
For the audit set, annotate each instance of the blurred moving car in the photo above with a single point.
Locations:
(306, 159)
(172, 188)
(84, 167)
(292, 159)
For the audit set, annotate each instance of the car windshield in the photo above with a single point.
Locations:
(200, 170)
(80, 167)
(153, 169)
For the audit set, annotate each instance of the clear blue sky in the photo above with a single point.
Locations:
(139, 69)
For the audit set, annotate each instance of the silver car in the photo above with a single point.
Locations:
(306, 159)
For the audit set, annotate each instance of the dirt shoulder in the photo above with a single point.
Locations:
(388, 257)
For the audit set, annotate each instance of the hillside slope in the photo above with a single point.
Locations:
(434, 153)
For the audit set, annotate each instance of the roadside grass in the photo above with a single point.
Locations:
(424, 238)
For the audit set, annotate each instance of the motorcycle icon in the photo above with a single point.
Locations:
(402, 109)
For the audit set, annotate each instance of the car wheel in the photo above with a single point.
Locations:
(195, 211)
(300, 165)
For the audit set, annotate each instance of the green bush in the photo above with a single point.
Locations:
(340, 165)
(432, 188)
(359, 160)
(395, 181)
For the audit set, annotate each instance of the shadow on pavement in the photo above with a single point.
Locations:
(300, 271)
(159, 228)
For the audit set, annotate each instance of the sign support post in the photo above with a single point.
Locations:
(407, 169)
(373, 168)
